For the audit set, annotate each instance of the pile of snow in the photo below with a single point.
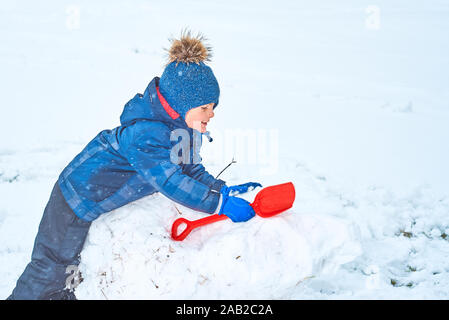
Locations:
(129, 254)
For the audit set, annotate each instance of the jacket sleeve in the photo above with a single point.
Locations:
(148, 152)
(199, 173)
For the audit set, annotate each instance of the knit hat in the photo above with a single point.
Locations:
(187, 82)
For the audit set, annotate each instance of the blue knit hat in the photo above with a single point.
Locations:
(187, 82)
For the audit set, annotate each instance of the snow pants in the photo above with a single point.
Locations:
(55, 255)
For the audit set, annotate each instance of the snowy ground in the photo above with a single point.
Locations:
(352, 98)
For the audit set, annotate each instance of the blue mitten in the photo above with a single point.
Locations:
(237, 209)
(242, 188)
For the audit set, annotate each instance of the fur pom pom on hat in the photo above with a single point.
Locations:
(187, 82)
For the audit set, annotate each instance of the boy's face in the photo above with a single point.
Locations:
(197, 118)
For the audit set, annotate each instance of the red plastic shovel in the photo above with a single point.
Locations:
(268, 202)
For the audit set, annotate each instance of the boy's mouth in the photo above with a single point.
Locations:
(203, 126)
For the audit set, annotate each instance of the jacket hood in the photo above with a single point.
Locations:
(147, 106)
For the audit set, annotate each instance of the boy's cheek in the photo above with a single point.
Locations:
(197, 125)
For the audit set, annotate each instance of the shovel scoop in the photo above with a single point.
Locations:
(268, 202)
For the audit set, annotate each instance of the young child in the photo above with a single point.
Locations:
(131, 161)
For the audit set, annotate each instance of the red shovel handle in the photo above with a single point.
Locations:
(192, 225)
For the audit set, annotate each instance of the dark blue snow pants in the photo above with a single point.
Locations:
(55, 255)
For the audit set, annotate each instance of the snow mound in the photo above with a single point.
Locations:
(129, 254)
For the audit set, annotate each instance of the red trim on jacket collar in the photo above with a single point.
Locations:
(172, 113)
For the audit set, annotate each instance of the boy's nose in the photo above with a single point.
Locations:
(211, 114)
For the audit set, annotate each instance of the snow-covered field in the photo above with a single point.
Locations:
(348, 100)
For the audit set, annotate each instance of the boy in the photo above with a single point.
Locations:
(134, 160)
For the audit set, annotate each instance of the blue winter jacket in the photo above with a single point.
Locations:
(133, 160)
